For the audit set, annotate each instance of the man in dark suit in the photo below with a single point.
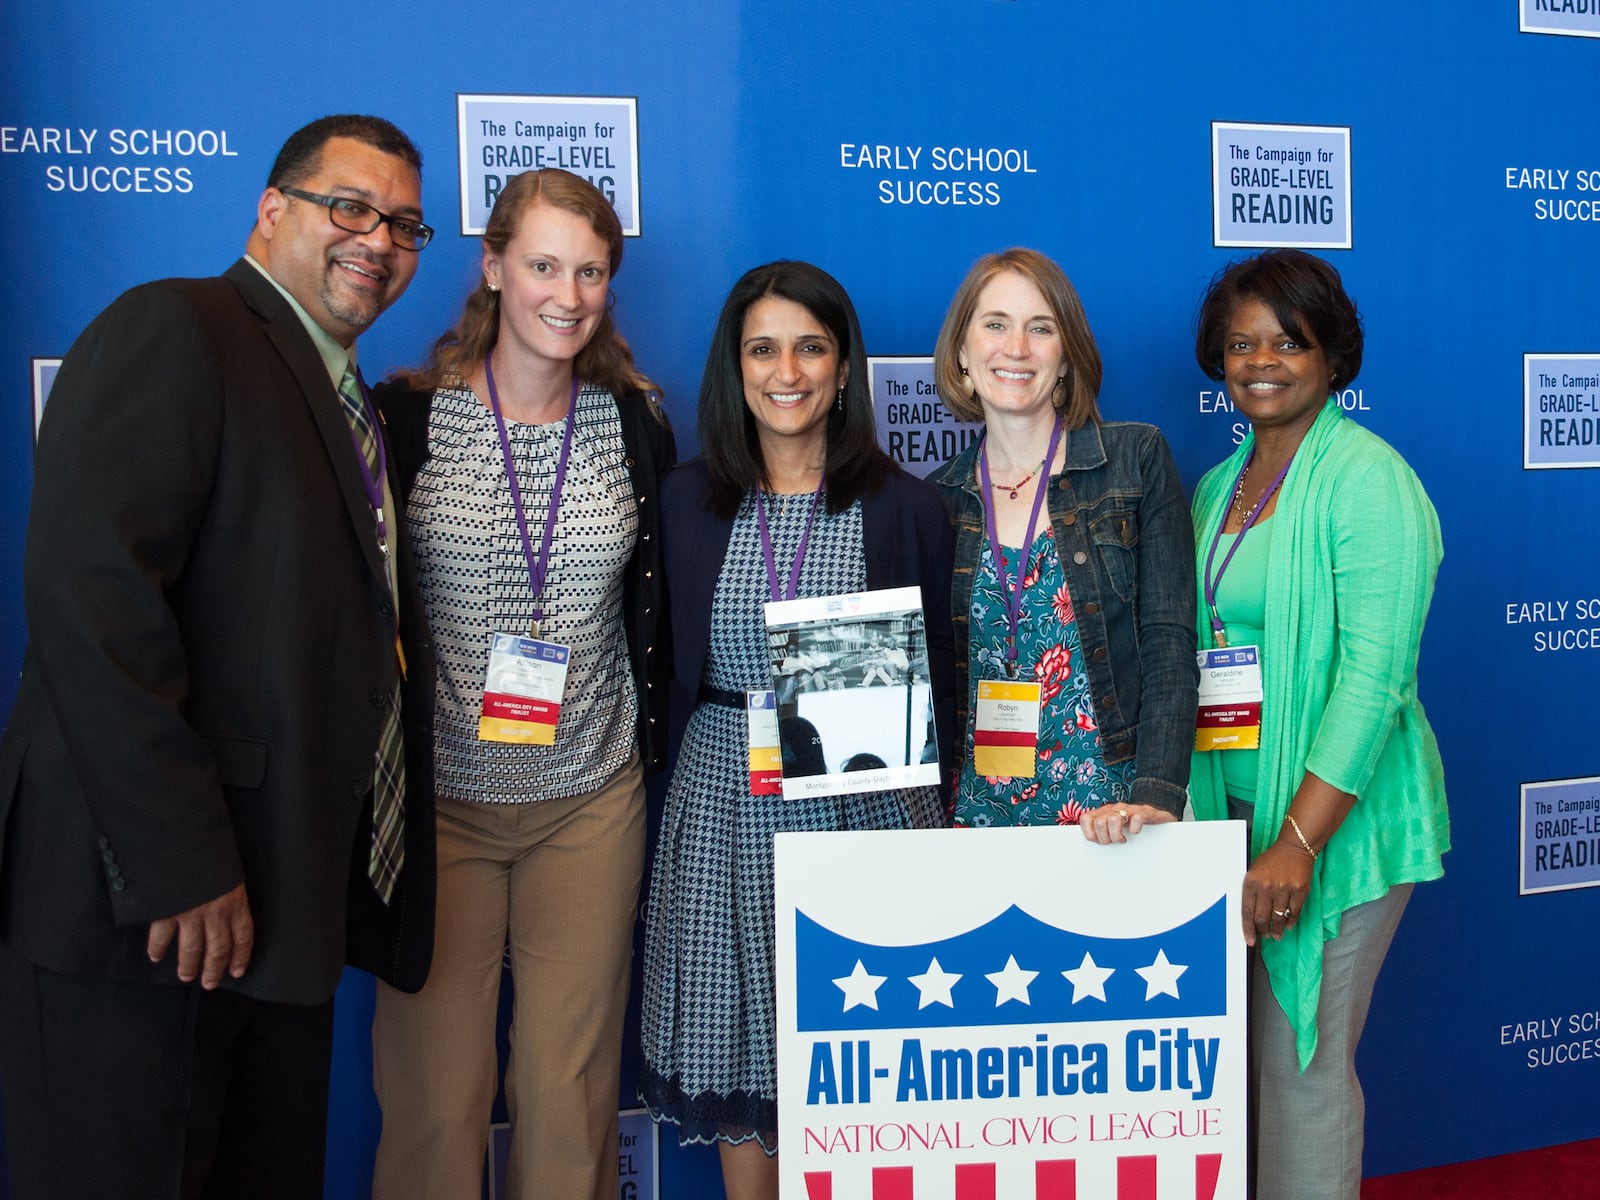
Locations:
(224, 635)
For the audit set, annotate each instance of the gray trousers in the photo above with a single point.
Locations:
(1310, 1124)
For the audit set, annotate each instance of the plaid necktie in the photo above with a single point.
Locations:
(388, 851)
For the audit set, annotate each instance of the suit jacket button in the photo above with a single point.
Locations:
(360, 788)
(107, 856)
(114, 871)
(378, 697)
(105, 843)
(119, 885)
(386, 609)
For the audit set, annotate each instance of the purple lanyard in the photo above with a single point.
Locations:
(1213, 583)
(800, 551)
(373, 484)
(536, 566)
(1013, 596)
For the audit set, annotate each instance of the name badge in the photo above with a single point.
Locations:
(522, 690)
(1005, 741)
(1230, 699)
(766, 758)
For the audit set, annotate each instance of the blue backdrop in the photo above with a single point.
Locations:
(1473, 176)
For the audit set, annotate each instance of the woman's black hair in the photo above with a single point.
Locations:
(1303, 291)
(855, 465)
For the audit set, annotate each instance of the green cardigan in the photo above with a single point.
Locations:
(1355, 549)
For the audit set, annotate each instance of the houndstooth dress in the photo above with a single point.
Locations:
(709, 1027)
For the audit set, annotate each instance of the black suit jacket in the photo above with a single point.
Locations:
(211, 645)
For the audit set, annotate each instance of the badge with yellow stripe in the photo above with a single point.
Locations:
(1006, 739)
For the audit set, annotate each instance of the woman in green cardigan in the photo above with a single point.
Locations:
(1317, 544)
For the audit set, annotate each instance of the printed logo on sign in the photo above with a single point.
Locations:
(1551, 189)
(124, 161)
(948, 176)
(914, 427)
(596, 137)
(1280, 185)
(1574, 18)
(44, 378)
(1560, 410)
(1560, 835)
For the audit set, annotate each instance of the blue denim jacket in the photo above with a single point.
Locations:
(1126, 543)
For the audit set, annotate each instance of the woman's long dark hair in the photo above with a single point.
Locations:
(855, 466)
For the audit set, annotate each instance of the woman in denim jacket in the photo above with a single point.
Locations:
(1103, 619)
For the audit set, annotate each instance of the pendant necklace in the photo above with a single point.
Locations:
(1021, 483)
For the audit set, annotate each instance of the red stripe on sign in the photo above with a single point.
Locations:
(518, 708)
(1055, 1179)
(1136, 1177)
(1207, 1167)
(1223, 718)
(999, 737)
(891, 1183)
(819, 1185)
(975, 1181)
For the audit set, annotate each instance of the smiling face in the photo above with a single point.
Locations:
(553, 278)
(1012, 351)
(1277, 381)
(790, 366)
(344, 280)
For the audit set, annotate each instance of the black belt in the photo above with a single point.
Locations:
(722, 696)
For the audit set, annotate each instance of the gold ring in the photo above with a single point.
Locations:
(1123, 813)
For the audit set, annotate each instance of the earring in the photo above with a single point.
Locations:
(493, 287)
(838, 400)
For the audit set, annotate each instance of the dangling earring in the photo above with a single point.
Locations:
(838, 400)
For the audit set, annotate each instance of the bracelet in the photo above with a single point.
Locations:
(1304, 845)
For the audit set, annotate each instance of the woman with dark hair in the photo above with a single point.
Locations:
(531, 449)
(1072, 584)
(791, 489)
(1316, 545)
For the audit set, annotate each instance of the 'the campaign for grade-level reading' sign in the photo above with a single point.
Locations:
(596, 137)
(1560, 410)
(1011, 1012)
(914, 427)
(1280, 185)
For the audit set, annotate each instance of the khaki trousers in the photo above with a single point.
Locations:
(558, 881)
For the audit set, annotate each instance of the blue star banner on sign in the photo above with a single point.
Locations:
(1012, 970)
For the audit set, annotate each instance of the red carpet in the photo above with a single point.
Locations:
(1569, 1172)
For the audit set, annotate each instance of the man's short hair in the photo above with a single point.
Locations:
(301, 155)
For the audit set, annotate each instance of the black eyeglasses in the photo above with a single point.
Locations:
(354, 216)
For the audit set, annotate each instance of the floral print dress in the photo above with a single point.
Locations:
(1072, 775)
